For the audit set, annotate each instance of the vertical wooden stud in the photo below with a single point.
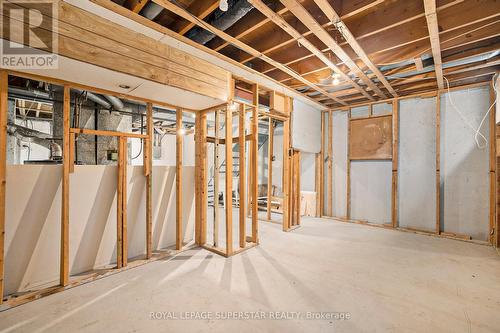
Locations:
(119, 207)
(64, 261)
(148, 167)
(330, 165)
(286, 176)
(317, 182)
(242, 175)
(179, 138)
(322, 168)
(348, 199)
(270, 154)
(216, 179)
(124, 152)
(4, 82)
(229, 181)
(254, 166)
(204, 177)
(438, 163)
(492, 141)
(395, 154)
(72, 138)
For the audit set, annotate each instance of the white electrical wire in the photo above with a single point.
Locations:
(477, 132)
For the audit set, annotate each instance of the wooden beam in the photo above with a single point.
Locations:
(332, 16)
(286, 175)
(270, 154)
(395, 161)
(303, 15)
(348, 190)
(124, 165)
(179, 139)
(317, 182)
(228, 195)
(322, 167)
(432, 25)
(242, 175)
(200, 9)
(64, 261)
(216, 179)
(279, 21)
(135, 5)
(255, 162)
(186, 15)
(329, 185)
(4, 110)
(438, 164)
(493, 163)
(119, 207)
(106, 133)
(148, 167)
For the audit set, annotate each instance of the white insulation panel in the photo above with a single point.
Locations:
(340, 126)
(464, 166)
(306, 128)
(417, 164)
(371, 191)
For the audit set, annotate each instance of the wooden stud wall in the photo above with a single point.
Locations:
(179, 139)
(148, 172)
(3, 166)
(64, 260)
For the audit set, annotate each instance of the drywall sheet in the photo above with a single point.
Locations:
(33, 219)
(464, 166)
(417, 164)
(371, 139)
(307, 172)
(306, 128)
(371, 183)
(340, 126)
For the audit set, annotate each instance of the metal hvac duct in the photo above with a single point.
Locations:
(94, 98)
(116, 102)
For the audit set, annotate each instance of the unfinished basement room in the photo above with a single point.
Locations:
(249, 166)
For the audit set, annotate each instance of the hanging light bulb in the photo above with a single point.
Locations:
(181, 131)
(223, 5)
(336, 80)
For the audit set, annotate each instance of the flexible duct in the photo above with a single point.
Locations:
(116, 102)
(97, 99)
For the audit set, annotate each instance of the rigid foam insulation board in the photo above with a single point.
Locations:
(307, 172)
(417, 163)
(371, 191)
(381, 109)
(360, 112)
(306, 128)
(33, 219)
(465, 167)
(340, 129)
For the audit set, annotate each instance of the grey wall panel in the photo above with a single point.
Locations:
(340, 126)
(360, 112)
(371, 183)
(381, 109)
(307, 172)
(464, 166)
(306, 127)
(417, 163)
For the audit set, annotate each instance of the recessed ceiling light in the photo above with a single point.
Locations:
(124, 86)
(223, 5)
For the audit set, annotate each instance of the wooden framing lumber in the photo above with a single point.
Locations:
(124, 153)
(216, 179)
(254, 166)
(395, 162)
(228, 195)
(242, 174)
(179, 139)
(322, 167)
(264, 9)
(329, 180)
(438, 163)
(106, 133)
(432, 25)
(310, 22)
(492, 162)
(188, 16)
(286, 175)
(148, 167)
(270, 156)
(317, 183)
(135, 5)
(348, 178)
(332, 16)
(4, 82)
(64, 260)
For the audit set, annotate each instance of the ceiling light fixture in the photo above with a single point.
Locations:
(223, 5)
(336, 80)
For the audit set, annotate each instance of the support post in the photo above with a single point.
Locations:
(229, 182)
(4, 82)
(322, 168)
(493, 178)
(64, 261)
(242, 171)
(179, 138)
(253, 169)
(330, 164)
(124, 153)
(216, 179)
(200, 176)
(148, 171)
(348, 199)
(270, 154)
(286, 175)
(395, 140)
(438, 163)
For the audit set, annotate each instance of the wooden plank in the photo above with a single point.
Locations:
(200, 9)
(229, 183)
(242, 175)
(322, 167)
(348, 177)
(64, 261)
(148, 165)
(310, 22)
(432, 25)
(216, 178)
(329, 184)
(332, 16)
(124, 152)
(107, 133)
(270, 154)
(395, 157)
(197, 183)
(493, 159)
(135, 5)
(438, 163)
(244, 47)
(286, 175)
(179, 138)
(371, 138)
(255, 162)
(280, 22)
(203, 177)
(317, 182)
(4, 110)
(119, 207)
(72, 139)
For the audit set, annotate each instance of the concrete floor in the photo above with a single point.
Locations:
(388, 281)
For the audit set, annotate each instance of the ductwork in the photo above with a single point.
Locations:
(237, 9)
(94, 98)
(152, 10)
(116, 102)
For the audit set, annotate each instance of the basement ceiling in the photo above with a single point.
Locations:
(378, 49)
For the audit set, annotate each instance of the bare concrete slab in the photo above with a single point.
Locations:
(387, 281)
